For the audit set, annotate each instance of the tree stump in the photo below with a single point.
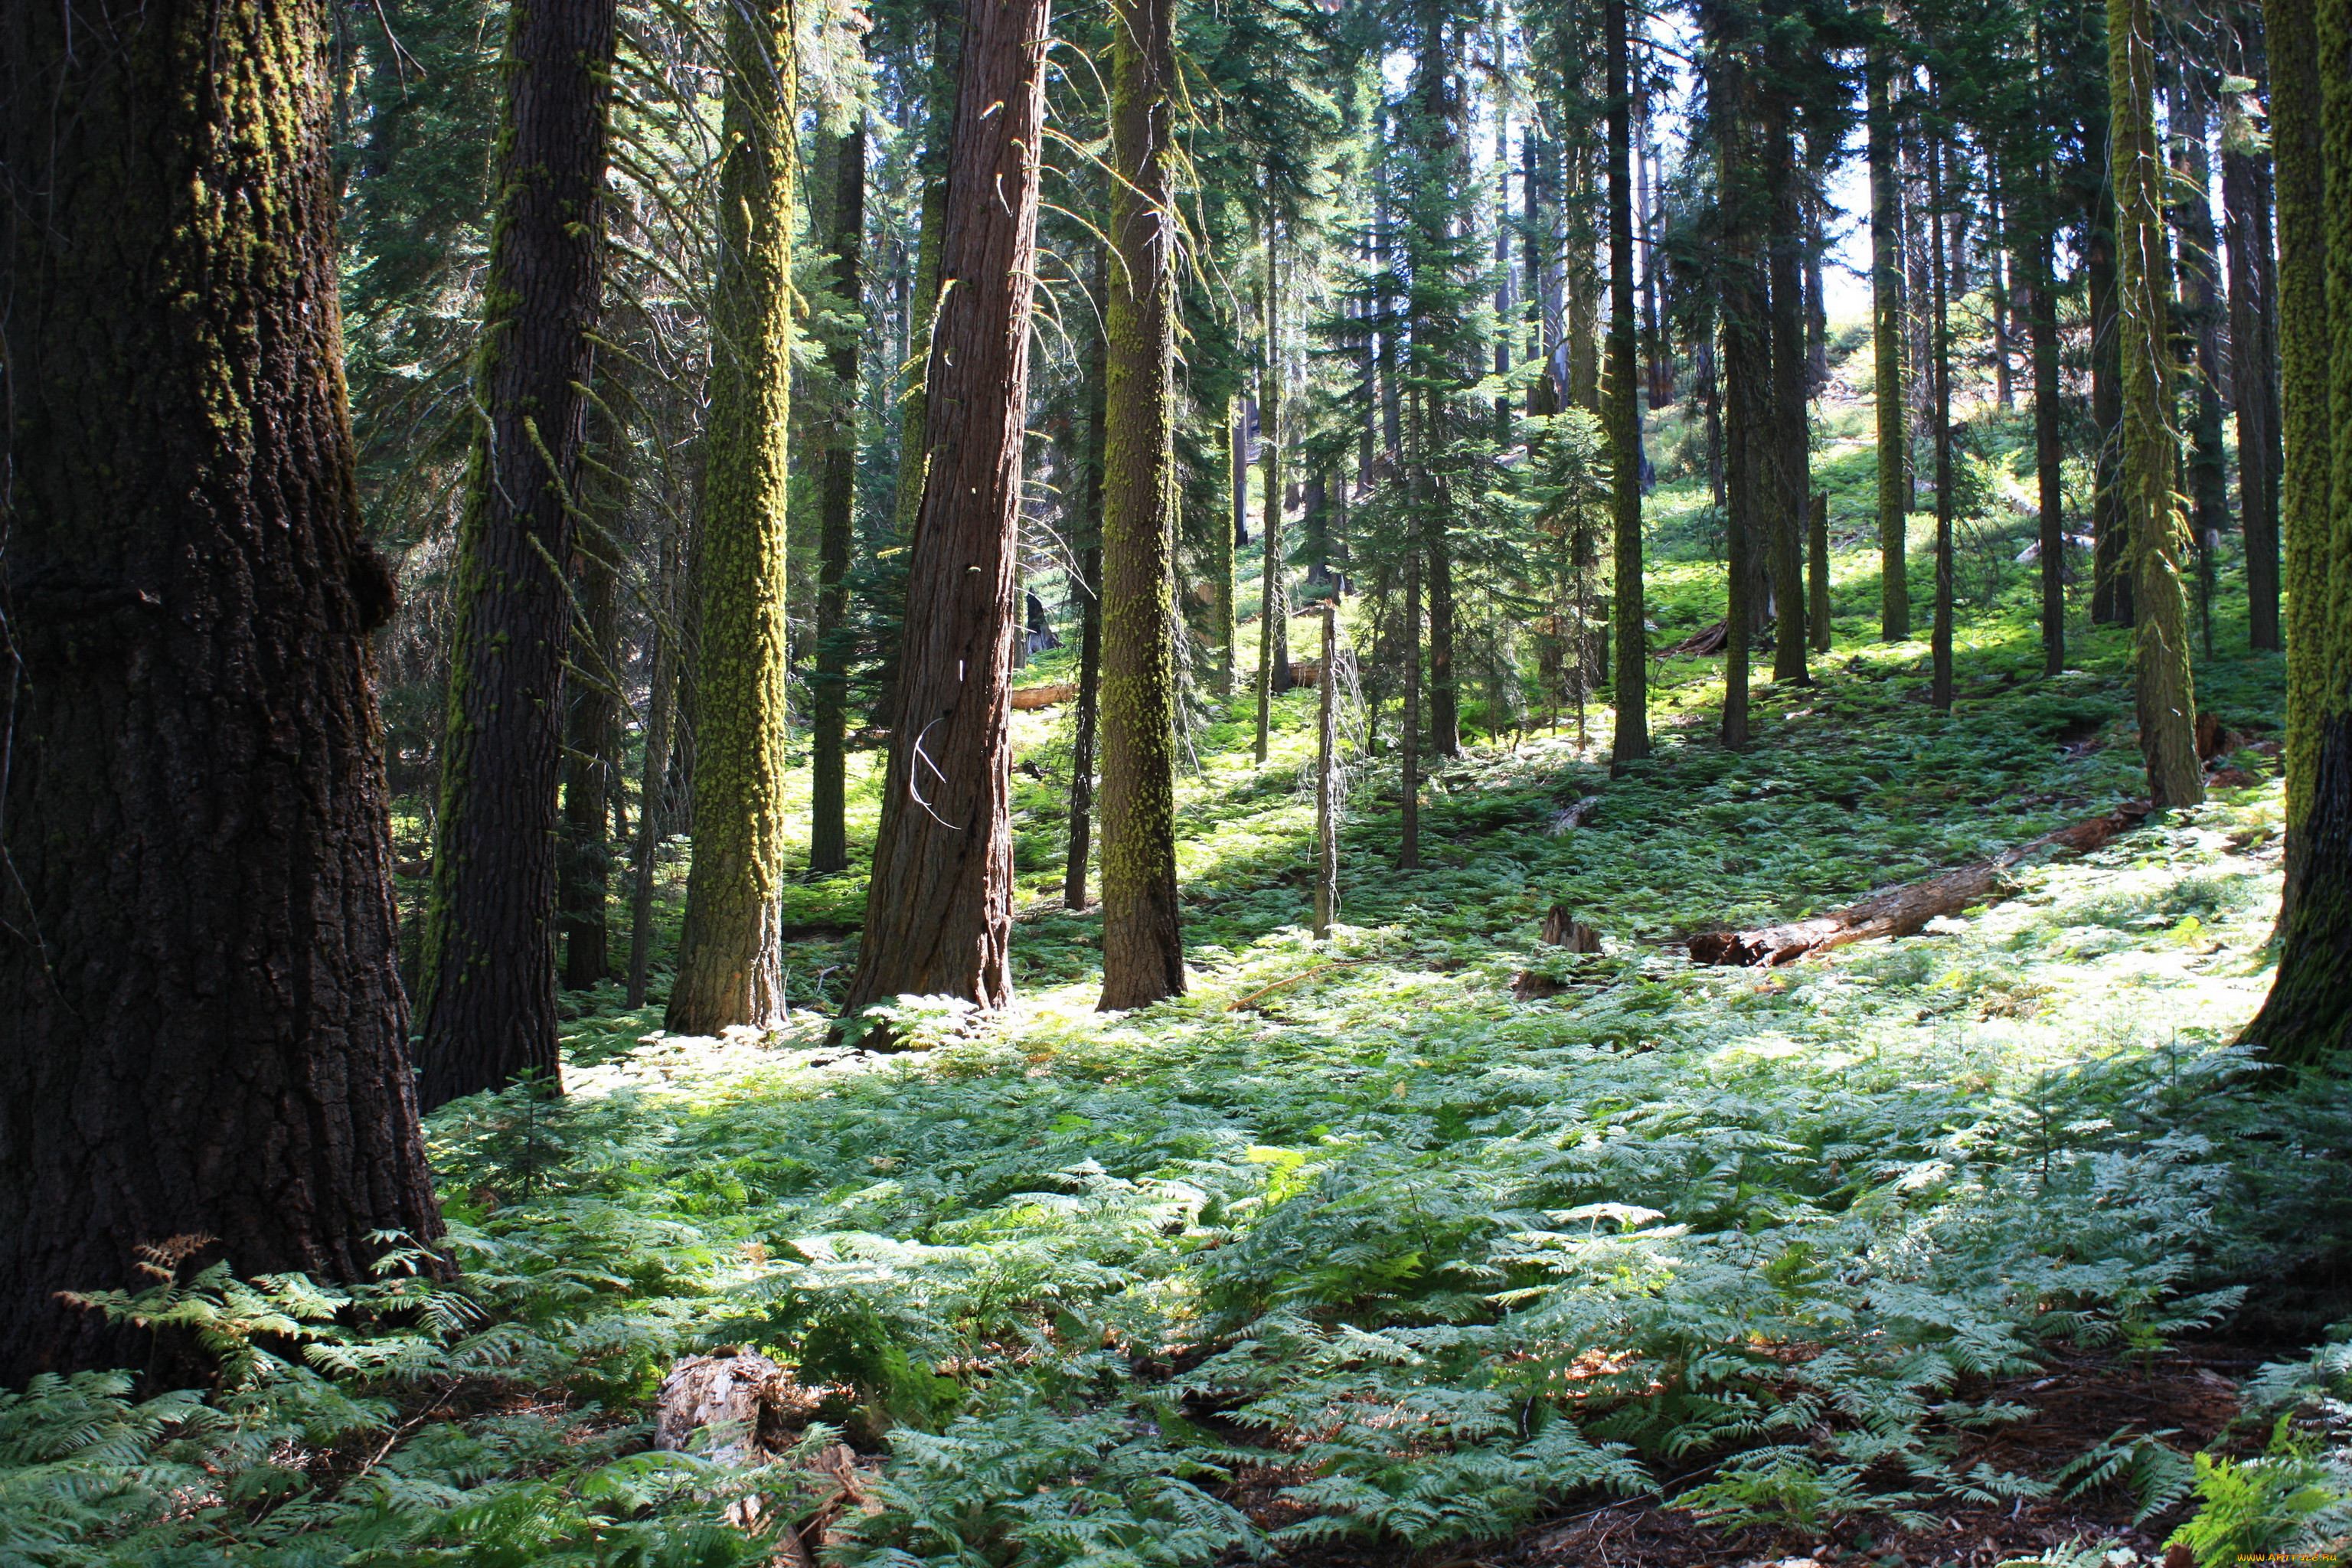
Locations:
(1563, 929)
(752, 1409)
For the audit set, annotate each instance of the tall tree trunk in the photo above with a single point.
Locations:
(1143, 942)
(2304, 1021)
(1326, 780)
(922, 309)
(592, 704)
(1940, 334)
(489, 950)
(2254, 365)
(2201, 306)
(2049, 454)
(1886, 334)
(1235, 532)
(2300, 99)
(1789, 450)
(1817, 573)
(836, 519)
(1631, 740)
(728, 969)
(205, 1030)
(2166, 694)
(1583, 286)
(653, 805)
(1408, 722)
(1747, 362)
(938, 908)
(2111, 589)
(1269, 582)
(1085, 722)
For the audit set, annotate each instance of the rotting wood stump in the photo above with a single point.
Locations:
(752, 1409)
(1905, 910)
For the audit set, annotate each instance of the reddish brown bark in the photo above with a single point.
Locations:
(939, 909)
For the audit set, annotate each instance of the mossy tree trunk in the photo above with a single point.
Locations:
(2307, 1019)
(2166, 696)
(206, 1025)
(939, 909)
(728, 958)
(2306, 243)
(1631, 740)
(1143, 946)
(1887, 306)
(488, 985)
(2198, 329)
(829, 680)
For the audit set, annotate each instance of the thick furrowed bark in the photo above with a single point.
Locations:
(202, 1026)
(938, 907)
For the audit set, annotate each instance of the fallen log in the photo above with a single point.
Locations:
(1029, 698)
(1904, 910)
(1707, 639)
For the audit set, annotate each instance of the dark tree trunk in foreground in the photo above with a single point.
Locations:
(2165, 696)
(488, 991)
(2306, 243)
(939, 909)
(1886, 333)
(2308, 1018)
(1631, 739)
(829, 681)
(1143, 943)
(205, 1029)
(728, 965)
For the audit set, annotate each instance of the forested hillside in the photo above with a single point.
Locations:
(1382, 782)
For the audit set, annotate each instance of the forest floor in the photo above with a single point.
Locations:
(1430, 1244)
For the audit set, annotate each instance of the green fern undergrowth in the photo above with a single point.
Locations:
(1348, 1244)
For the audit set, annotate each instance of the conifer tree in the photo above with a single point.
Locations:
(728, 970)
(489, 990)
(204, 1019)
(2308, 1019)
(1631, 739)
(938, 907)
(1144, 949)
(2165, 697)
(829, 681)
(1888, 309)
(2306, 277)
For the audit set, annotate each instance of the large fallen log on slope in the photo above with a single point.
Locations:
(1905, 910)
